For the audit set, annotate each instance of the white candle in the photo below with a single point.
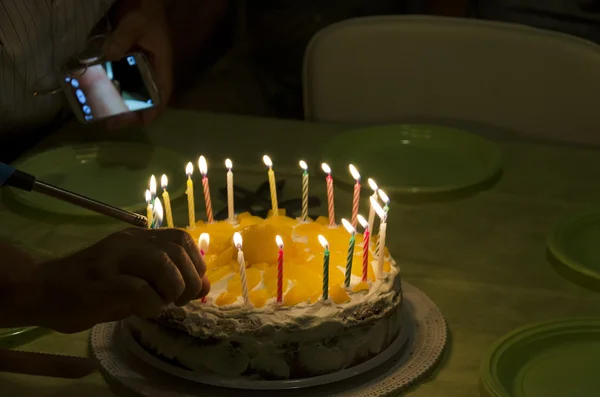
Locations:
(153, 187)
(375, 188)
(158, 213)
(237, 242)
(381, 238)
(230, 201)
(189, 169)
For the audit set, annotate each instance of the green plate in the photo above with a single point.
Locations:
(10, 332)
(414, 158)
(114, 173)
(552, 359)
(575, 244)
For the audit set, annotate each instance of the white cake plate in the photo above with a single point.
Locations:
(129, 368)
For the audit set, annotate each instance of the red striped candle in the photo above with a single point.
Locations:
(330, 200)
(366, 238)
(279, 242)
(356, 200)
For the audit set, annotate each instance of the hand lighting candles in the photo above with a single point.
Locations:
(375, 188)
(304, 166)
(366, 237)
(325, 245)
(189, 170)
(350, 256)
(237, 242)
(272, 185)
(279, 242)
(356, 198)
(203, 243)
(149, 208)
(204, 170)
(230, 193)
(330, 200)
(381, 238)
(158, 213)
(164, 181)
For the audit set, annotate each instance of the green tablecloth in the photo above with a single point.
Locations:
(482, 258)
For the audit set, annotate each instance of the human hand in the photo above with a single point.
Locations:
(132, 272)
(142, 26)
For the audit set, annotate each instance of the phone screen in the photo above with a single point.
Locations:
(111, 88)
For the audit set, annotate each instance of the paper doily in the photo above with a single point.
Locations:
(423, 350)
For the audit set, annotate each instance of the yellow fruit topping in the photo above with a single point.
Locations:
(280, 212)
(226, 299)
(362, 286)
(296, 295)
(260, 246)
(243, 215)
(261, 266)
(253, 277)
(258, 298)
(311, 229)
(218, 274)
(323, 220)
(338, 294)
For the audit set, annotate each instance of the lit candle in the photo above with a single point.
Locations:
(381, 238)
(203, 243)
(366, 236)
(375, 188)
(304, 166)
(158, 213)
(164, 182)
(149, 209)
(279, 242)
(355, 201)
(204, 170)
(230, 204)
(153, 188)
(237, 241)
(330, 201)
(189, 170)
(272, 184)
(325, 245)
(386, 208)
(351, 244)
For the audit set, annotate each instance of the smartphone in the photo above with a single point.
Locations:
(105, 89)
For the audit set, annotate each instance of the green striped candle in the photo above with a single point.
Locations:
(325, 245)
(351, 244)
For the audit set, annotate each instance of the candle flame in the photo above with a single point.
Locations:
(363, 222)
(323, 241)
(354, 172)
(204, 241)
(164, 181)
(148, 196)
(189, 169)
(153, 185)
(348, 226)
(380, 212)
(158, 212)
(267, 161)
(228, 164)
(384, 197)
(303, 165)
(237, 240)
(202, 166)
(279, 241)
(326, 169)
(373, 185)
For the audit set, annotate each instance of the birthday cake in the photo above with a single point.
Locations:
(334, 308)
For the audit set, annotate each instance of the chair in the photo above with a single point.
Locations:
(403, 68)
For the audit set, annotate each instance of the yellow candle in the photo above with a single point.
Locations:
(304, 215)
(149, 208)
(164, 182)
(230, 194)
(153, 187)
(272, 184)
(189, 170)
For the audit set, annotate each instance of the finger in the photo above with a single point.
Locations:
(136, 294)
(205, 288)
(185, 240)
(155, 267)
(123, 120)
(193, 282)
(129, 30)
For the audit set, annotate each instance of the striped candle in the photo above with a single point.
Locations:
(379, 253)
(189, 169)
(351, 244)
(304, 166)
(366, 238)
(203, 243)
(375, 188)
(237, 242)
(356, 199)
(204, 170)
(386, 201)
(279, 242)
(330, 198)
(325, 245)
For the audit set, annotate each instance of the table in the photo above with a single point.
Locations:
(481, 258)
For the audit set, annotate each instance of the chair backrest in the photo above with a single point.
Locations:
(387, 69)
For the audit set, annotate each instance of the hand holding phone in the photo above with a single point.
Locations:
(107, 89)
